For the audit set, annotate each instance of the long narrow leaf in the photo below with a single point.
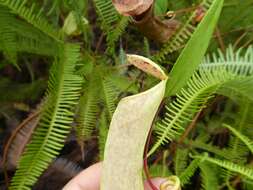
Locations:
(194, 51)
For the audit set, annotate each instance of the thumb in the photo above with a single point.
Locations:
(89, 179)
(156, 182)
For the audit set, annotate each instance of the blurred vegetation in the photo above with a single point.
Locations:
(88, 41)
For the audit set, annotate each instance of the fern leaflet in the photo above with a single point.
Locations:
(201, 87)
(88, 109)
(112, 23)
(32, 16)
(246, 171)
(189, 171)
(209, 177)
(110, 94)
(56, 118)
(243, 138)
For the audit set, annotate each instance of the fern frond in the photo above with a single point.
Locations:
(32, 40)
(57, 115)
(180, 112)
(224, 153)
(19, 36)
(21, 92)
(88, 109)
(200, 88)
(107, 14)
(103, 131)
(181, 160)
(32, 15)
(247, 184)
(243, 57)
(111, 22)
(246, 171)
(7, 38)
(116, 32)
(110, 94)
(243, 138)
(146, 47)
(180, 38)
(238, 151)
(29, 45)
(209, 176)
(186, 175)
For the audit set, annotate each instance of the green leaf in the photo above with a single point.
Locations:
(64, 89)
(209, 176)
(161, 7)
(179, 39)
(185, 177)
(33, 15)
(246, 140)
(199, 89)
(194, 51)
(244, 170)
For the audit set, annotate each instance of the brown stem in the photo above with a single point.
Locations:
(220, 40)
(100, 40)
(189, 128)
(239, 39)
(145, 20)
(145, 162)
(145, 165)
(10, 140)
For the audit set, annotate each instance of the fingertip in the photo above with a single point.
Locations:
(156, 182)
(89, 179)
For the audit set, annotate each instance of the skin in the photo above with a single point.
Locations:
(89, 179)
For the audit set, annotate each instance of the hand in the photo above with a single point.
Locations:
(89, 179)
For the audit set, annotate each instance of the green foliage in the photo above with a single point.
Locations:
(18, 36)
(159, 171)
(7, 38)
(180, 73)
(161, 7)
(107, 14)
(88, 109)
(200, 88)
(185, 177)
(243, 138)
(32, 15)
(117, 31)
(111, 22)
(238, 151)
(209, 176)
(109, 96)
(246, 171)
(21, 92)
(54, 125)
(90, 74)
(103, 131)
(80, 12)
(202, 145)
(181, 161)
(185, 32)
